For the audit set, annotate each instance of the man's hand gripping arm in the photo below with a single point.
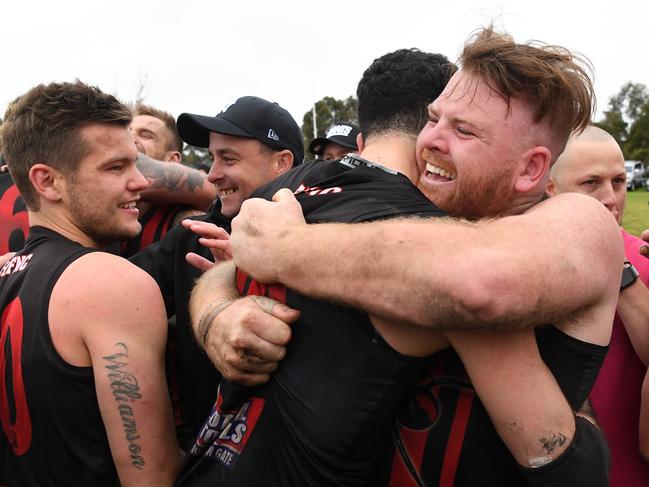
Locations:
(244, 337)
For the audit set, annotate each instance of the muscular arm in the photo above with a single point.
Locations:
(175, 183)
(520, 394)
(118, 317)
(563, 256)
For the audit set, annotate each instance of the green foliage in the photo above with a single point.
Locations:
(614, 124)
(637, 143)
(636, 215)
(327, 111)
(194, 156)
(627, 119)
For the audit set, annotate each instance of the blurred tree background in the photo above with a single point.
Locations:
(196, 156)
(327, 111)
(627, 119)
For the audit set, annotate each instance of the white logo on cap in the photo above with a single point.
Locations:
(225, 108)
(339, 130)
(272, 135)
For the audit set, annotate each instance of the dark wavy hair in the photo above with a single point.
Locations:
(395, 91)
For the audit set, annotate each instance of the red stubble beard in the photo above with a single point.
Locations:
(471, 195)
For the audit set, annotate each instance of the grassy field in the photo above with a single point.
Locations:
(636, 216)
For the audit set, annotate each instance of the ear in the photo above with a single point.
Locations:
(284, 161)
(173, 156)
(359, 142)
(46, 181)
(535, 169)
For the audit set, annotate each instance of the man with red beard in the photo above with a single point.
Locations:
(483, 115)
(84, 399)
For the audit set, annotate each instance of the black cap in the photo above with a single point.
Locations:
(341, 133)
(249, 117)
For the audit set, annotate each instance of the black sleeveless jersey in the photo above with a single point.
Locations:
(14, 222)
(324, 416)
(156, 222)
(53, 433)
(443, 435)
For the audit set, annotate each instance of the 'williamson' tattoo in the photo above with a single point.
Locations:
(125, 391)
(169, 176)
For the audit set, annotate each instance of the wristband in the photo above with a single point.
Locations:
(207, 319)
(629, 275)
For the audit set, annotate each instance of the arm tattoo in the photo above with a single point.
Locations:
(125, 391)
(555, 440)
(169, 176)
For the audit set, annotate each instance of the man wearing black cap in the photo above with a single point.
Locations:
(341, 139)
(251, 142)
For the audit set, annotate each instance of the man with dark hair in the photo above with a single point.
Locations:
(83, 330)
(251, 142)
(498, 115)
(339, 140)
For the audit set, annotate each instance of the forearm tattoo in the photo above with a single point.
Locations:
(171, 176)
(125, 391)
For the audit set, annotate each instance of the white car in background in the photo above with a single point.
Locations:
(636, 174)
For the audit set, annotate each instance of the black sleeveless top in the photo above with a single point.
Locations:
(53, 433)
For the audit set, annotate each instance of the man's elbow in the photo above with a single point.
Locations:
(488, 300)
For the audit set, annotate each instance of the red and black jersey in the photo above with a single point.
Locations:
(443, 436)
(323, 418)
(14, 222)
(156, 222)
(53, 433)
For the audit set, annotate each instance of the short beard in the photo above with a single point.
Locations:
(93, 224)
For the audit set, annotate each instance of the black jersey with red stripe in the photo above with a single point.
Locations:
(443, 436)
(323, 418)
(156, 222)
(53, 432)
(14, 222)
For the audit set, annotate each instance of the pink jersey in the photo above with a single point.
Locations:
(616, 394)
